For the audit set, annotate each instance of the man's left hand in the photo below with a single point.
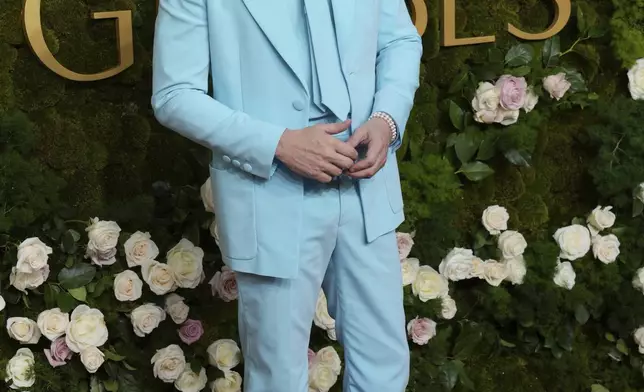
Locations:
(375, 135)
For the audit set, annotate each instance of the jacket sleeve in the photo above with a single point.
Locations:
(180, 100)
(397, 64)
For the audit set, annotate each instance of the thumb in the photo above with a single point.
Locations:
(336, 128)
(357, 138)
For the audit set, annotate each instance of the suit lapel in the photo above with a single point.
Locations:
(343, 16)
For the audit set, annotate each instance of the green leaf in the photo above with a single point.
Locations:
(112, 356)
(467, 341)
(128, 382)
(519, 55)
(76, 276)
(65, 302)
(51, 291)
(520, 71)
(195, 366)
(597, 32)
(609, 336)
(458, 82)
(518, 158)
(451, 140)
(128, 366)
(456, 115)
(111, 385)
(79, 293)
(551, 52)
(466, 146)
(495, 56)
(598, 388)
(577, 81)
(621, 347)
(581, 314)
(476, 171)
(480, 239)
(70, 241)
(69, 262)
(582, 25)
(463, 378)
(565, 338)
(507, 344)
(638, 207)
(487, 148)
(448, 375)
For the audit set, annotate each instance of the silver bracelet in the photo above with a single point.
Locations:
(390, 121)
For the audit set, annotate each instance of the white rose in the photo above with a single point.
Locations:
(103, 239)
(322, 377)
(606, 248)
(495, 219)
(168, 363)
(638, 280)
(322, 318)
(486, 102)
(457, 265)
(516, 269)
(159, 277)
(214, 231)
(2, 303)
(512, 244)
(639, 192)
(565, 275)
(92, 358)
(206, 196)
(448, 308)
(477, 268)
(330, 333)
(140, 249)
(19, 370)
(146, 318)
(409, 268)
(429, 284)
(405, 242)
(24, 281)
(23, 330)
(506, 117)
(494, 272)
(638, 335)
(190, 381)
(186, 262)
(231, 382)
(600, 219)
(176, 308)
(329, 356)
(127, 286)
(574, 241)
(224, 354)
(33, 255)
(86, 328)
(636, 80)
(53, 323)
(531, 100)
(556, 85)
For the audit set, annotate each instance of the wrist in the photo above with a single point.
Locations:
(389, 123)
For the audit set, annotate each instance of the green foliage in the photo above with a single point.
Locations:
(627, 24)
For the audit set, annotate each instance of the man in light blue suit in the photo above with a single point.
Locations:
(310, 102)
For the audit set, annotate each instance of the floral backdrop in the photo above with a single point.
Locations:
(522, 253)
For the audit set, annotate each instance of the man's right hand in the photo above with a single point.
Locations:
(314, 153)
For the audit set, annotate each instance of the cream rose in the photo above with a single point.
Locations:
(409, 268)
(638, 335)
(531, 100)
(329, 356)
(23, 330)
(86, 328)
(159, 277)
(2, 303)
(512, 244)
(140, 249)
(494, 272)
(429, 284)
(495, 219)
(206, 196)
(556, 85)
(103, 239)
(457, 265)
(606, 248)
(448, 308)
(33, 255)
(186, 262)
(636, 80)
(322, 318)
(516, 269)
(92, 358)
(574, 241)
(486, 102)
(639, 192)
(176, 308)
(565, 275)
(224, 354)
(146, 318)
(168, 363)
(600, 219)
(506, 117)
(19, 371)
(638, 280)
(190, 381)
(53, 323)
(214, 231)
(127, 286)
(231, 382)
(28, 281)
(322, 377)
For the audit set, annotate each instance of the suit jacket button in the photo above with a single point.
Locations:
(236, 163)
(247, 167)
(298, 105)
(226, 158)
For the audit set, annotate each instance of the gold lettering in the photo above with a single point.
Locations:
(419, 15)
(449, 28)
(562, 16)
(35, 37)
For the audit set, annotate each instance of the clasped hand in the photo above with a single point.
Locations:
(314, 153)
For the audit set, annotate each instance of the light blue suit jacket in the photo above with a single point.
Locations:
(251, 49)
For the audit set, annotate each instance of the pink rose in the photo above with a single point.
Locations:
(224, 283)
(405, 242)
(420, 330)
(58, 354)
(190, 331)
(556, 85)
(512, 91)
(311, 357)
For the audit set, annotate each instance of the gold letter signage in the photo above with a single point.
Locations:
(36, 39)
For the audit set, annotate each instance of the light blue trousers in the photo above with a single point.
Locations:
(363, 285)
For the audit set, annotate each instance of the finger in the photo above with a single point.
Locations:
(373, 154)
(369, 171)
(358, 137)
(345, 149)
(331, 169)
(335, 128)
(323, 177)
(341, 161)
